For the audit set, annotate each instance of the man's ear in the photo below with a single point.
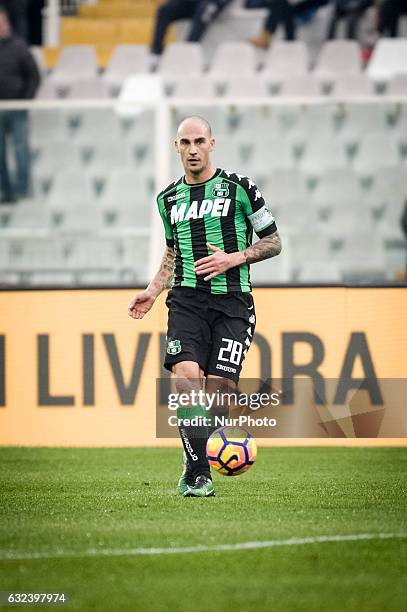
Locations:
(212, 142)
(176, 145)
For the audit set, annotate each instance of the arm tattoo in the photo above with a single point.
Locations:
(163, 278)
(266, 247)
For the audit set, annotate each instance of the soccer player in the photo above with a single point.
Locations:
(209, 215)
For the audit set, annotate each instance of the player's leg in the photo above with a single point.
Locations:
(219, 392)
(188, 381)
(188, 346)
(234, 321)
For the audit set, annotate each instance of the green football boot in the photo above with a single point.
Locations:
(202, 487)
(186, 478)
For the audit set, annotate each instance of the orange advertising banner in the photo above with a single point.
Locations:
(75, 370)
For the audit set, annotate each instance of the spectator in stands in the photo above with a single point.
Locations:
(17, 11)
(200, 12)
(351, 11)
(19, 81)
(390, 12)
(283, 12)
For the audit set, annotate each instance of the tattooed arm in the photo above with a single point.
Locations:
(219, 261)
(142, 302)
(266, 247)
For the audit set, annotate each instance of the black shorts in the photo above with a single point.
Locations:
(215, 331)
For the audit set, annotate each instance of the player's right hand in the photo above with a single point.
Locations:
(140, 304)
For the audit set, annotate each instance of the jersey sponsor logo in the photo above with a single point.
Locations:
(219, 366)
(177, 196)
(199, 208)
(221, 190)
(261, 219)
(174, 347)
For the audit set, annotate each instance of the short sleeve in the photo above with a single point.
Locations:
(169, 236)
(256, 209)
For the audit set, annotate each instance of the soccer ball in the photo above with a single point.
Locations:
(231, 450)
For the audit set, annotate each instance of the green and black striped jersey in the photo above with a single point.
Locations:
(223, 211)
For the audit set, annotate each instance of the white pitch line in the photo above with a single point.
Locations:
(199, 548)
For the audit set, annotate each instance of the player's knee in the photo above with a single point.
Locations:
(188, 376)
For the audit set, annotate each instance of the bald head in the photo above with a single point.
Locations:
(195, 122)
(194, 144)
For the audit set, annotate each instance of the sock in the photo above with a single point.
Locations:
(194, 438)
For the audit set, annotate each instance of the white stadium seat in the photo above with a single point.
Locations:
(184, 58)
(397, 85)
(193, 87)
(286, 60)
(300, 87)
(337, 57)
(232, 59)
(126, 60)
(246, 87)
(70, 188)
(376, 150)
(88, 88)
(75, 61)
(389, 58)
(322, 153)
(353, 86)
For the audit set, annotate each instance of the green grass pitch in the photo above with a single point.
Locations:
(68, 501)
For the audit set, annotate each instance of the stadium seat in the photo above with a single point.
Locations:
(287, 186)
(181, 58)
(337, 57)
(47, 90)
(88, 88)
(275, 270)
(352, 86)
(232, 59)
(135, 256)
(361, 256)
(36, 253)
(126, 60)
(300, 87)
(319, 272)
(321, 153)
(54, 156)
(76, 61)
(104, 159)
(193, 87)
(95, 253)
(285, 60)
(48, 125)
(337, 187)
(76, 219)
(127, 197)
(70, 188)
(377, 149)
(51, 279)
(360, 119)
(397, 85)
(389, 58)
(246, 87)
(23, 219)
(98, 125)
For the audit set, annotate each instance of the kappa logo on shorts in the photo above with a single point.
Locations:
(174, 347)
(221, 190)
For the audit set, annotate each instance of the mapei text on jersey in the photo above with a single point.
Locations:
(218, 207)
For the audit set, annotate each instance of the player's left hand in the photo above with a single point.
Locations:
(214, 264)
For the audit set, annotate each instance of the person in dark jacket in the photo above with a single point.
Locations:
(201, 13)
(19, 81)
(17, 11)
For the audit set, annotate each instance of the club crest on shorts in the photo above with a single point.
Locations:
(221, 190)
(174, 347)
